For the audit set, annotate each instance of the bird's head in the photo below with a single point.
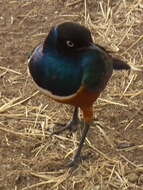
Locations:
(68, 38)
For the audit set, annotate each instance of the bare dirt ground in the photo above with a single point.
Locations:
(29, 157)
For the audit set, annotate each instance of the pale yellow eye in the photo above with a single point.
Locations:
(69, 43)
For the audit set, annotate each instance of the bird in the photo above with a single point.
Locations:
(71, 69)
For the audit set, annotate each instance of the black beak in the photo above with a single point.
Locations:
(92, 46)
(97, 47)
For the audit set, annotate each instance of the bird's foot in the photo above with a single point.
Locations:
(75, 162)
(71, 126)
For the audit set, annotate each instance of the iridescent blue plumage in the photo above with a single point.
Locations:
(57, 73)
(63, 75)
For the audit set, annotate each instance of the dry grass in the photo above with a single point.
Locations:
(30, 158)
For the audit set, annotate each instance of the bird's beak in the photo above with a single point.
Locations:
(93, 46)
(89, 47)
(98, 48)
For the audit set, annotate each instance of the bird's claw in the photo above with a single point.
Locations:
(78, 159)
(74, 163)
(71, 126)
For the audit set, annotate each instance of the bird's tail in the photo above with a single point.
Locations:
(118, 64)
(121, 65)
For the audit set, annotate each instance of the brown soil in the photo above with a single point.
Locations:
(29, 157)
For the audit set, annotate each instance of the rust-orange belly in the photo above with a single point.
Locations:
(84, 99)
(81, 99)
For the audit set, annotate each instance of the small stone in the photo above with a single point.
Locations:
(139, 170)
(141, 179)
(125, 145)
(97, 187)
(100, 187)
(132, 177)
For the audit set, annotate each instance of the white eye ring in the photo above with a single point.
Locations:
(70, 43)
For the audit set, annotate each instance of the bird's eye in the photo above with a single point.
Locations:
(70, 43)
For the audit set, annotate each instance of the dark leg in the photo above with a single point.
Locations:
(77, 157)
(72, 125)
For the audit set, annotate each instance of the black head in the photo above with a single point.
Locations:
(69, 38)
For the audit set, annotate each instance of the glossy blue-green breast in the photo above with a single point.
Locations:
(63, 75)
(98, 68)
(58, 74)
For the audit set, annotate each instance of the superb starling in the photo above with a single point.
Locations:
(70, 68)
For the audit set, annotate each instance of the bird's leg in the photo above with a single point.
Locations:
(88, 118)
(72, 125)
(77, 158)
